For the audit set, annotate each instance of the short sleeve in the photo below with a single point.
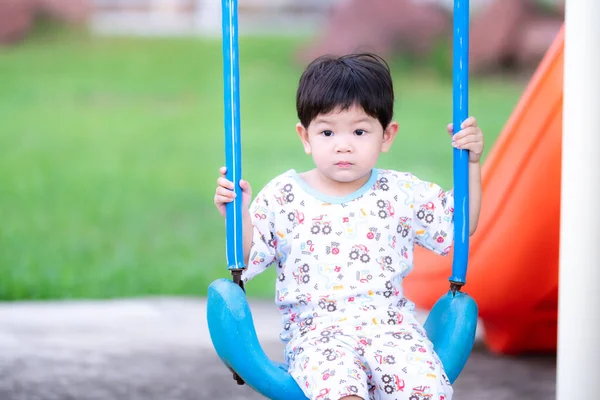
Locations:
(433, 216)
(264, 241)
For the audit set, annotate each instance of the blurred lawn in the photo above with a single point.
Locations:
(109, 149)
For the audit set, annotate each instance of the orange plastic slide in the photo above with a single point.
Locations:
(513, 261)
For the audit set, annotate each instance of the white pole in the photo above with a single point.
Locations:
(579, 280)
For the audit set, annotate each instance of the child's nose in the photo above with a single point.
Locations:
(343, 146)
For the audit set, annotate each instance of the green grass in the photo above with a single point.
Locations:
(109, 149)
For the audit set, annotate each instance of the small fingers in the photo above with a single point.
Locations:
(244, 184)
(224, 196)
(224, 192)
(469, 143)
(459, 144)
(246, 188)
(225, 183)
(469, 131)
(219, 199)
(471, 121)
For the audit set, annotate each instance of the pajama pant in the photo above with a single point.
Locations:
(380, 362)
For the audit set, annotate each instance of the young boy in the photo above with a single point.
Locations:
(342, 236)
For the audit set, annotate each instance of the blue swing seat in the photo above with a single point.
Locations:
(450, 326)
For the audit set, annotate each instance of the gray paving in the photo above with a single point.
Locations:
(146, 349)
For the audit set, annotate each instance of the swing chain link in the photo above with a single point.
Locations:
(237, 378)
(455, 287)
(237, 279)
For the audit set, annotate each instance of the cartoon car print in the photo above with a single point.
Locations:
(360, 252)
(392, 383)
(286, 195)
(319, 225)
(385, 209)
(296, 216)
(426, 212)
(403, 334)
(421, 393)
(303, 299)
(325, 336)
(403, 227)
(327, 304)
(390, 290)
(333, 354)
(386, 263)
(306, 325)
(382, 183)
(394, 318)
(302, 275)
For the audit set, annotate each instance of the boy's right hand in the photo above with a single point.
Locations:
(225, 194)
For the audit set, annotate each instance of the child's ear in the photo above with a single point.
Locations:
(389, 134)
(303, 133)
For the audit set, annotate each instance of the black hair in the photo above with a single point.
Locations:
(330, 82)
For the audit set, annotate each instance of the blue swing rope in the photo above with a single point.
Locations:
(460, 93)
(233, 154)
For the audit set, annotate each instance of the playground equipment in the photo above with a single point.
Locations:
(452, 321)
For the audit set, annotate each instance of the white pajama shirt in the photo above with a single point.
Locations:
(340, 263)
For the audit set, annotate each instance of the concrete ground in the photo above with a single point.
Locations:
(160, 349)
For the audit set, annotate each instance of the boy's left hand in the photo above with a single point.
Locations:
(469, 138)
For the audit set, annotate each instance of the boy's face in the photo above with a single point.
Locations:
(345, 145)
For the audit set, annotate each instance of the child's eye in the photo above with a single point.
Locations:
(327, 133)
(359, 132)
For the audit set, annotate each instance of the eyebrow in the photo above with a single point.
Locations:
(321, 120)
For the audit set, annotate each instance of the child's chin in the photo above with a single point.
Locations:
(347, 175)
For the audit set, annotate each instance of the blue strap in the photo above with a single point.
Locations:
(460, 91)
(233, 156)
